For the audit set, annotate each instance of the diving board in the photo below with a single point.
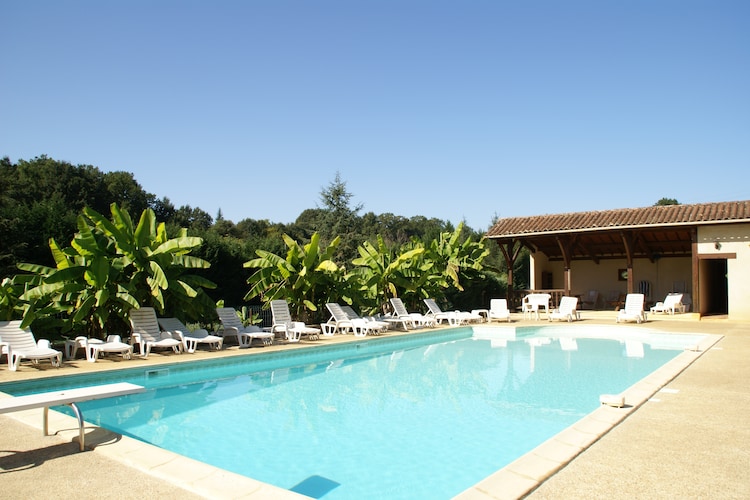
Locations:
(68, 397)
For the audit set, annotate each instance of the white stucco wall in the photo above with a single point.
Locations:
(665, 275)
(722, 239)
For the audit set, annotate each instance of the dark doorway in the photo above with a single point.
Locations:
(714, 300)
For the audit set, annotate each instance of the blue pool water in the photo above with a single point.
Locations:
(420, 416)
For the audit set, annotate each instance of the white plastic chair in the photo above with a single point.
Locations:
(533, 302)
(499, 310)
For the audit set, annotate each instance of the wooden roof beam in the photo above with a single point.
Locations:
(586, 250)
(643, 244)
(627, 242)
(566, 248)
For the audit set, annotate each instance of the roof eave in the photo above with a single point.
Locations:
(615, 228)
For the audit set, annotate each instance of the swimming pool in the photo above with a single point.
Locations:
(378, 418)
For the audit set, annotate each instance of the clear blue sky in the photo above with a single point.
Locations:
(459, 110)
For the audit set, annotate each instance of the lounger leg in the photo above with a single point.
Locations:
(244, 340)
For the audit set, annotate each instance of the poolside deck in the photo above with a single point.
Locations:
(692, 440)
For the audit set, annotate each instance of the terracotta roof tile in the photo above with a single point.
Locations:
(661, 215)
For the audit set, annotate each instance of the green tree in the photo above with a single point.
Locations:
(192, 218)
(125, 191)
(42, 198)
(164, 210)
(338, 219)
(666, 201)
(226, 255)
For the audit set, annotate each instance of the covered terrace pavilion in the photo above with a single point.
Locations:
(700, 249)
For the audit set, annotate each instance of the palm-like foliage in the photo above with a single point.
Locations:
(413, 271)
(113, 266)
(306, 278)
(11, 291)
(454, 258)
(381, 273)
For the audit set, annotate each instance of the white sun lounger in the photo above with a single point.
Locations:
(282, 322)
(68, 397)
(233, 327)
(672, 303)
(18, 343)
(191, 338)
(566, 310)
(633, 310)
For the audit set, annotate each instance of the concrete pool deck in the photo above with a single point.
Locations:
(691, 439)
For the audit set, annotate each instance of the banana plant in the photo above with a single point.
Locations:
(11, 291)
(307, 277)
(452, 258)
(380, 273)
(113, 266)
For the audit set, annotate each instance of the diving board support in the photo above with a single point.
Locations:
(68, 397)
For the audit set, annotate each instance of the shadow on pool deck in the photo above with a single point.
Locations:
(689, 441)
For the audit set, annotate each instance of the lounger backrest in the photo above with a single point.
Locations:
(18, 338)
(432, 306)
(672, 299)
(337, 312)
(280, 312)
(634, 303)
(229, 319)
(398, 307)
(498, 305)
(143, 322)
(568, 304)
(350, 313)
(173, 325)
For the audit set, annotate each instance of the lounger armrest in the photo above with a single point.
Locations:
(279, 327)
(231, 330)
(168, 335)
(43, 344)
